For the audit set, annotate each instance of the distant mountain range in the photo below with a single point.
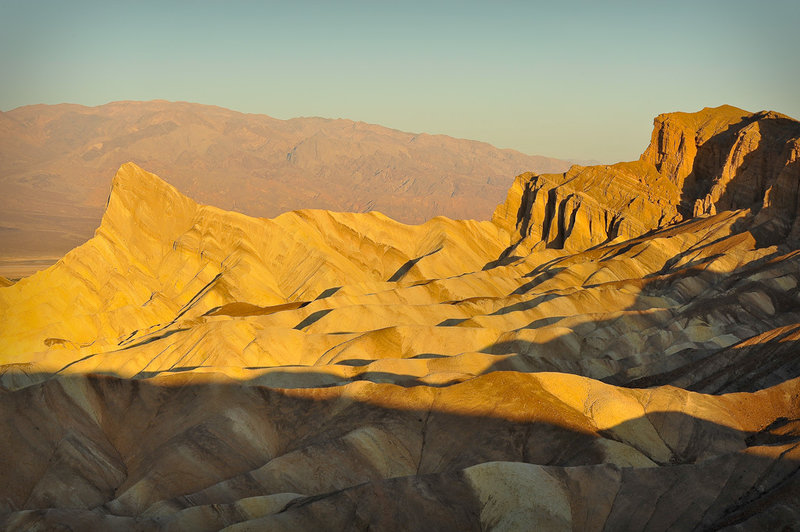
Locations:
(56, 162)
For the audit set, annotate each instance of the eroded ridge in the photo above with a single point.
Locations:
(617, 348)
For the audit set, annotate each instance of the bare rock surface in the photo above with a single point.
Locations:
(726, 158)
(697, 164)
(595, 357)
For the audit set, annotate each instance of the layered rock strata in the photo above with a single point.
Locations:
(696, 164)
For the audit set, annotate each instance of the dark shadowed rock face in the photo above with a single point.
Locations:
(182, 452)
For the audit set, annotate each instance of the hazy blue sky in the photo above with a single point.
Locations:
(559, 78)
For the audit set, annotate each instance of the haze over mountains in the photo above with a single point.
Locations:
(618, 348)
(55, 162)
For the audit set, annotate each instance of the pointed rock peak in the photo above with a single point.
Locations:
(132, 178)
(140, 198)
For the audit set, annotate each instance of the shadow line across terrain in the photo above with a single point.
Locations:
(186, 449)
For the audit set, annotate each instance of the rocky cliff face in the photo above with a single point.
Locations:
(678, 137)
(697, 164)
(587, 206)
(725, 159)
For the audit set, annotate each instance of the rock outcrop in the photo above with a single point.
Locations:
(586, 206)
(692, 147)
(697, 164)
(587, 360)
(725, 159)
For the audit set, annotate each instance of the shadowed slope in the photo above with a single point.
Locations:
(191, 452)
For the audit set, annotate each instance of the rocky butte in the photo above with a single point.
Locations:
(618, 348)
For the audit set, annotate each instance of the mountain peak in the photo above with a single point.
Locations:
(132, 172)
(141, 203)
(131, 176)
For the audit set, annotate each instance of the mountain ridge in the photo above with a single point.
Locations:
(55, 162)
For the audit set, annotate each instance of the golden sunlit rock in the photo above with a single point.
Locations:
(617, 349)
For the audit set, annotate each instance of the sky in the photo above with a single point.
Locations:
(566, 79)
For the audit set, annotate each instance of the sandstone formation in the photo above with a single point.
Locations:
(586, 206)
(725, 158)
(696, 164)
(55, 162)
(595, 357)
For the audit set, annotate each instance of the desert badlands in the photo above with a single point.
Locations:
(618, 348)
(56, 162)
